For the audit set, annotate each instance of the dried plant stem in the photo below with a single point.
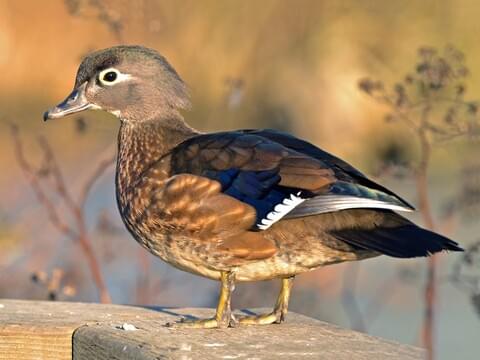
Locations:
(95, 269)
(143, 283)
(431, 101)
(102, 166)
(78, 232)
(349, 301)
(430, 292)
(358, 318)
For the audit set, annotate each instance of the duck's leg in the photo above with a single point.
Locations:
(223, 316)
(279, 311)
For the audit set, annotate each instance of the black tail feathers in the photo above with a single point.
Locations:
(404, 241)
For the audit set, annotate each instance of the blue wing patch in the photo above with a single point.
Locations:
(260, 190)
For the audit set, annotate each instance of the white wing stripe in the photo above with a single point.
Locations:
(289, 208)
(329, 203)
(280, 210)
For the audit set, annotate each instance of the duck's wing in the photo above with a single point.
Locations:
(352, 190)
(276, 180)
(343, 170)
(224, 188)
(235, 184)
(196, 207)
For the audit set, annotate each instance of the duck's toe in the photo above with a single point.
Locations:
(210, 323)
(275, 317)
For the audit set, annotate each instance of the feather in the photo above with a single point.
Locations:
(343, 171)
(403, 241)
(343, 196)
(279, 175)
(329, 203)
(280, 211)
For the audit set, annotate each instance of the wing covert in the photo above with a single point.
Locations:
(279, 175)
(257, 171)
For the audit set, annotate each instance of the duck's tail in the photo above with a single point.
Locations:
(405, 241)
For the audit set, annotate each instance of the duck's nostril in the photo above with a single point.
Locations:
(73, 96)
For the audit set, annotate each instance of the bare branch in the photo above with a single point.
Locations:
(77, 232)
(349, 301)
(437, 80)
(92, 179)
(34, 182)
(57, 175)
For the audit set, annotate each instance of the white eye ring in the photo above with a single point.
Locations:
(112, 76)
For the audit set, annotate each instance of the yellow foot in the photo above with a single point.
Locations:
(203, 323)
(275, 317)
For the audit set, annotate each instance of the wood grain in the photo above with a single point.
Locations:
(56, 330)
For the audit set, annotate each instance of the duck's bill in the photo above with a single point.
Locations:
(74, 103)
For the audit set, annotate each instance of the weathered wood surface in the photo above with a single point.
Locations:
(56, 330)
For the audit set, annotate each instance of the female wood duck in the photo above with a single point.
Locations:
(239, 205)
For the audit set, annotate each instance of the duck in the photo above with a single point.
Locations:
(234, 206)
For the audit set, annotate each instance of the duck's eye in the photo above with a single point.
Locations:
(110, 76)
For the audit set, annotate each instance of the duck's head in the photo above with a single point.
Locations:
(132, 82)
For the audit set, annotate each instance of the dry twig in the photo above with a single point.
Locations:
(77, 231)
(431, 103)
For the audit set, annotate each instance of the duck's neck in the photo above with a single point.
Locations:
(142, 143)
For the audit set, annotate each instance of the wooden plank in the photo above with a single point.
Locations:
(33, 342)
(289, 341)
(299, 338)
(43, 330)
(56, 330)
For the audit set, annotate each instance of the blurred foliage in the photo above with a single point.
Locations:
(393, 156)
(431, 102)
(54, 284)
(102, 14)
(8, 237)
(476, 302)
(466, 274)
(468, 198)
(432, 98)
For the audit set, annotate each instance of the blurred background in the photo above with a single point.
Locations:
(391, 87)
